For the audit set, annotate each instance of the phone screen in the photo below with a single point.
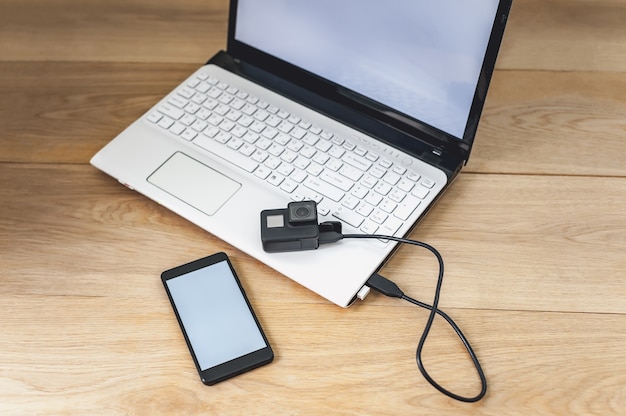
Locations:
(221, 330)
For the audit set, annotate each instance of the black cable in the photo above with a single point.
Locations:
(388, 288)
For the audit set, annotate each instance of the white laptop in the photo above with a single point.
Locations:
(368, 108)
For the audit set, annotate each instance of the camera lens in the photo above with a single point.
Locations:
(303, 212)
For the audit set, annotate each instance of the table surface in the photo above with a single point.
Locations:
(533, 234)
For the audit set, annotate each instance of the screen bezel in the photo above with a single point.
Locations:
(415, 129)
(237, 365)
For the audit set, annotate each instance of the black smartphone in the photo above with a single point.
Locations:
(222, 332)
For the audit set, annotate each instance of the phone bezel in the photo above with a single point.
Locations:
(237, 365)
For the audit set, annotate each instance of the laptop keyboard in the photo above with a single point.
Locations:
(348, 181)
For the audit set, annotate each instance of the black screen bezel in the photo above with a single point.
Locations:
(371, 110)
(235, 366)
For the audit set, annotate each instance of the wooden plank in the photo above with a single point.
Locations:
(186, 31)
(125, 355)
(66, 112)
(566, 35)
(563, 123)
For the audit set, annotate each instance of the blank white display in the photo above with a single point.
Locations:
(215, 315)
(422, 58)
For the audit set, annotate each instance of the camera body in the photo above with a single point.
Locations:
(295, 228)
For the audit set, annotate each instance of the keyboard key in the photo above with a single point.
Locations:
(323, 188)
(406, 208)
(382, 188)
(379, 216)
(336, 152)
(348, 216)
(338, 140)
(400, 170)
(334, 165)
(262, 172)
(412, 176)
(260, 155)
(315, 130)
(310, 139)
(212, 131)
(295, 145)
(350, 202)
(298, 176)
(357, 161)
(154, 117)
(177, 128)
(247, 149)
(373, 198)
(285, 127)
(198, 99)
(351, 173)
(188, 119)
(372, 157)
(385, 163)
(273, 121)
(314, 169)
(378, 172)
(301, 162)
(388, 206)
(405, 185)
(272, 162)
(397, 195)
(323, 146)
(289, 156)
(285, 169)
(369, 227)
(390, 227)
(307, 151)
(298, 133)
(359, 191)
(321, 158)
(420, 192)
(188, 134)
(429, 183)
(192, 108)
(177, 101)
(323, 210)
(392, 178)
(339, 181)
(289, 186)
(369, 182)
(171, 111)
(365, 209)
(275, 179)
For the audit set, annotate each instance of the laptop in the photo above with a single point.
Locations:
(368, 108)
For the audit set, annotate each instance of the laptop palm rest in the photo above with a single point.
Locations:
(194, 183)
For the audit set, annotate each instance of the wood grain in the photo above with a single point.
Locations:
(566, 35)
(532, 233)
(116, 30)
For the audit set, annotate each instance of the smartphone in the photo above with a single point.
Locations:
(222, 332)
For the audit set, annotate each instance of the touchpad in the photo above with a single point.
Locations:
(194, 183)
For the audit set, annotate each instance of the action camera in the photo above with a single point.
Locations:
(296, 228)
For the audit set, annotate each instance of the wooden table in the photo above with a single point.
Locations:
(533, 233)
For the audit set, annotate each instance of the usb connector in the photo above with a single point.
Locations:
(385, 286)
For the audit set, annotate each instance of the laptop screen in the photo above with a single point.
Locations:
(420, 58)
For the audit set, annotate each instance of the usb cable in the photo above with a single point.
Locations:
(389, 288)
